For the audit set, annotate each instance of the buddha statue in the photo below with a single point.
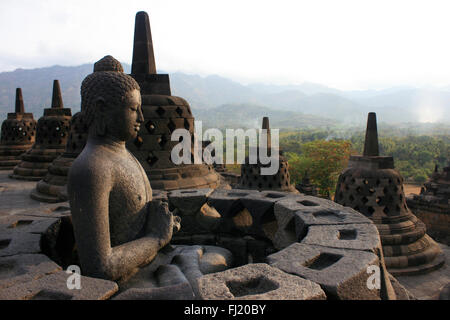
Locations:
(117, 226)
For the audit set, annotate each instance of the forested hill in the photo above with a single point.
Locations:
(308, 104)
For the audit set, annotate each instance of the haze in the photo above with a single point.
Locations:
(348, 45)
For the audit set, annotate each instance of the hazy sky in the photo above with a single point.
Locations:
(344, 44)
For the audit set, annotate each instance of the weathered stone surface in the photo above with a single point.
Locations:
(256, 282)
(215, 259)
(24, 268)
(208, 218)
(189, 201)
(228, 202)
(54, 287)
(18, 243)
(182, 291)
(401, 292)
(22, 223)
(295, 214)
(445, 293)
(341, 273)
(350, 236)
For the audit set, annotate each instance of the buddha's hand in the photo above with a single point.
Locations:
(176, 223)
(160, 222)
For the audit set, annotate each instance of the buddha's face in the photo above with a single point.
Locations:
(125, 119)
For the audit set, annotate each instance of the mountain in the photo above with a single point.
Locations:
(246, 116)
(211, 96)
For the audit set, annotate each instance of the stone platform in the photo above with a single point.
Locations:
(274, 237)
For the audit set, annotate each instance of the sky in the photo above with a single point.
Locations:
(348, 45)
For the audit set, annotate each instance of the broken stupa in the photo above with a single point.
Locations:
(163, 114)
(53, 187)
(251, 177)
(432, 205)
(372, 186)
(17, 134)
(51, 136)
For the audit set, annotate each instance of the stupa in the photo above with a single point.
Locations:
(305, 186)
(251, 177)
(163, 113)
(51, 136)
(432, 205)
(53, 187)
(17, 135)
(372, 186)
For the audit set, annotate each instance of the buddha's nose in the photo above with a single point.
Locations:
(140, 118)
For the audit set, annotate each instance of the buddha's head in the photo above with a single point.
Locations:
(111, 101)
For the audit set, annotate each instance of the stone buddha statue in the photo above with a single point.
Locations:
(117, 227)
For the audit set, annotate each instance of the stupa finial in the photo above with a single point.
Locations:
(57, 102)
(19, 101)
(371, 142)
(143, 56)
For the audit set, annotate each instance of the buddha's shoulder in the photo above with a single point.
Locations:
(94, 163)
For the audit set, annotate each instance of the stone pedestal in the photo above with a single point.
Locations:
(17, 134)
(51, 136)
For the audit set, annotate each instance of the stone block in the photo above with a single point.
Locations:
(54, 287)
(341, 273)
(24, 268)
(256, 282)
(188, 201)
(20, 223)
(19, 243)
(349, 236)
(296, 213)
(182, 291)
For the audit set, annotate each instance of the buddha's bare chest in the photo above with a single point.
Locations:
(128, 199)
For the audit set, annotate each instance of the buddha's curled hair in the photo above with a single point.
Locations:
(107, 81)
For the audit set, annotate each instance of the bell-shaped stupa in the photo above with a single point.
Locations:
(251, 177)
(372, 186)
(163, 114)
(17, 134)
(51, 136)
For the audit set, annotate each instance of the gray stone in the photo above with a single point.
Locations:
(256, 282)
(341, 273)
(54, 287)
(19, 243)
(182, 291)
(189, 201)
(296, 213)
(215, 259)
(445, 293)
(401, 292)
(23, 223)
(348, 236)
(24, 268)
(208, 218)
(228, 202)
